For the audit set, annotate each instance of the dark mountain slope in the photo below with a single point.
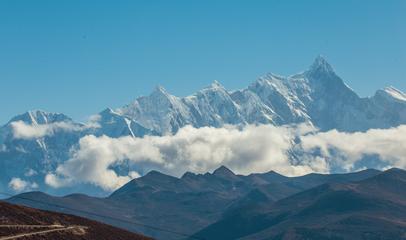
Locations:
(374, 208)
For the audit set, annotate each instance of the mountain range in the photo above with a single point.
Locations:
(317, 96)
(373, 208)
(369, 204)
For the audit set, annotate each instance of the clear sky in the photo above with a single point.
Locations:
(79, 57)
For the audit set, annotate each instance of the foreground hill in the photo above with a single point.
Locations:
(185, 204)
(374, 208)
(28, 223)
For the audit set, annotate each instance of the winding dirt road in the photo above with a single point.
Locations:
(32, 226)
(54, 228)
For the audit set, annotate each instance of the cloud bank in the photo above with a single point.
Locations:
(346, 149)
(250, 149)
(247, 150)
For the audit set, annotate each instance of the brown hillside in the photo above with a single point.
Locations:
(36, 224)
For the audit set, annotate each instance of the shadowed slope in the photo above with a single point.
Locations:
(374, 208)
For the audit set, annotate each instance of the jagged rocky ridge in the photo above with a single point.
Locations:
(318, 96)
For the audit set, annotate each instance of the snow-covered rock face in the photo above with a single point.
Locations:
(159, 111)
(317, 96)
(114, 124)
(213, 106)
(40, 117)
(276, 93)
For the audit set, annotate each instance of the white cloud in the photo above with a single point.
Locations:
(52, 180)
(19, 185)
(133, 174)
(348, 148)
(247, 150)
(22, 130)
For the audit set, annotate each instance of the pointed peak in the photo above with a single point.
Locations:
(107, 111)
(160, 89)
(215, 85)
(320, 65)
(272, 172)
(188, 175)
(223, 171)
(272, 75)
(160, 92)
(264, 80)
(320, 60)
(155, 176)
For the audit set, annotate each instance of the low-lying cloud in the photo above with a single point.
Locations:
(19, 185)
(254, 148)
(22, 130)
(348, 148)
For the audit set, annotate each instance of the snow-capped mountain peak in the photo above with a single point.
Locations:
(107, 111)
(320, 65)
(215, 84)
(160, 90)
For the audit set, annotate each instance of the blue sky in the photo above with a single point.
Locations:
(78, 57)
